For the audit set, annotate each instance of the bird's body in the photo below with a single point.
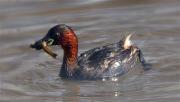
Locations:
(106, 61)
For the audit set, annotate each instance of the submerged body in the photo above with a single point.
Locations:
(107, 61)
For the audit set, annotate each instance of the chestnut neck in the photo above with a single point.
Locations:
(69, 64)
(70, 56)
(70, 47)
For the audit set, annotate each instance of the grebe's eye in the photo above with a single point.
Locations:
(57, 34)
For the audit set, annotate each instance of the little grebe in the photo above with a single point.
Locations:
(107, 61)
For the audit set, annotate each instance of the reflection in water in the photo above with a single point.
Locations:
(72, 93)
(27, 75)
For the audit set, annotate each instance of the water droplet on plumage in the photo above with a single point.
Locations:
(85, 55)
(116, 64)
(114, 79)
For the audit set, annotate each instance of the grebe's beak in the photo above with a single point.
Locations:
(44, 44)
(48, 50)
(127, 42)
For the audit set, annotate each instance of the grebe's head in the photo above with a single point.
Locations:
(58, 35)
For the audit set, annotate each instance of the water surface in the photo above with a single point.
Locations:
(32, 76)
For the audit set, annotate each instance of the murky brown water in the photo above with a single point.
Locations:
(32, 76)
